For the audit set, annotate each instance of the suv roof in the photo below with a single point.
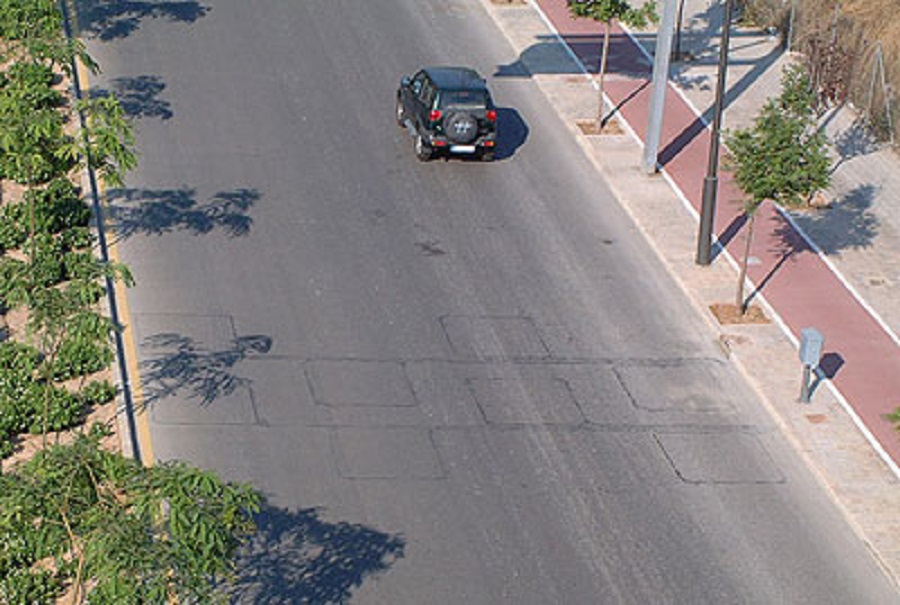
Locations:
(456, 78)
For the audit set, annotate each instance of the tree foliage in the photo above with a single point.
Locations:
(80, 520)
(607, 11)
(106, 142)
(33, 29)
(782, 157)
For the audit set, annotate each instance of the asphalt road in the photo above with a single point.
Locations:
(456, 382)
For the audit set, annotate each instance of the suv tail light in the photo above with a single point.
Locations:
(434, 115)
(491, 115)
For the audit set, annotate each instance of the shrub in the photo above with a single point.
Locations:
(13, 228)
(79, 264)
(31, 84)
(75, 238)
(86, 348)
(12, 276)
(47, 267)
(30, 587)
(58, 207)
(64, 409)
(18, 365)
(97, 393)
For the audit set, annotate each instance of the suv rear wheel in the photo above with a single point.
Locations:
(423, 149)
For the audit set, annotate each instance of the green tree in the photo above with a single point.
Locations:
(782, 157)
(106, 141)
(32, 29)
(81, 521)
(31, 125)
(607, 11)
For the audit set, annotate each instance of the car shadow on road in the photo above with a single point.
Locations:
(512, 132)
(161, 211)
(297, 557)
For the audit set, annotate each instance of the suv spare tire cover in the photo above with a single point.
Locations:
(461, 127)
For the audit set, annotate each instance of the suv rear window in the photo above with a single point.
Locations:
(463, 99)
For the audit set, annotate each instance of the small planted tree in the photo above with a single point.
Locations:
(782, 157)
(607, 11)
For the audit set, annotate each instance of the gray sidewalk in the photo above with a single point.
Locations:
(859, 233)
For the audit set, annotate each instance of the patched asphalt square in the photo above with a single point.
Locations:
(500, 337)
(719, 458)
(386, 453)
(525, 400)
(359, 383)
(688, 386)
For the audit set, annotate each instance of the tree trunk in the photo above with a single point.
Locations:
(739, 301)
(601, 120)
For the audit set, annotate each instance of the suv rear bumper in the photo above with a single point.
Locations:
(487, 142)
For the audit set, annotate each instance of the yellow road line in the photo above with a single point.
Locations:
(144, 443)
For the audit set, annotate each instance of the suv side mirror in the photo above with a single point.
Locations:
(404, 81)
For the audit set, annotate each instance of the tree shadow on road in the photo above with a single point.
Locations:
(179, 365)
(110, 20)
(160, 211)
(139, 96)
(297, 557)
(789, 244)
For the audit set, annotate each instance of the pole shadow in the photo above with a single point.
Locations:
(698, 125)
(297, 557)
(830, 364)
(730, 232)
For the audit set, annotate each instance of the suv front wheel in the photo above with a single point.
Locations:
(401, 114)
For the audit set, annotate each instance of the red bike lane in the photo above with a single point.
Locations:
(860, 357)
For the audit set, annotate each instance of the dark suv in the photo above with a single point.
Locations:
(448, 109)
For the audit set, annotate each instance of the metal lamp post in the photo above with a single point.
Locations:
(711, 181)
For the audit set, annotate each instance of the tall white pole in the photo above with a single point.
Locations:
(660, 79)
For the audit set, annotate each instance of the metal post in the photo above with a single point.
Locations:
(811, 344)
(676, 54)
(790, 31)
(658, 90)
(804, 386)
(711, 182)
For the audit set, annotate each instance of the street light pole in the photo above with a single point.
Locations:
(711, 181)
(658, 89)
